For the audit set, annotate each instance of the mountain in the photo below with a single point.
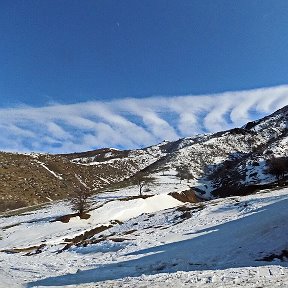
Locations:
(31, 179)
(232, 162)
(238, 241)
(153, 239)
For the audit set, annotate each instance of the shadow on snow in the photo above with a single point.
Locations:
(235, 244)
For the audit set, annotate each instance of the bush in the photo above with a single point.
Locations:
(80, 200)
(278, 167)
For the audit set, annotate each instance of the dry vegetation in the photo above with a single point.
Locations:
(25, 180)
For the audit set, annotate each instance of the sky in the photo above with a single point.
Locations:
(79, 75)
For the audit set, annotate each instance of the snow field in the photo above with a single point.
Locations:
(216, 245)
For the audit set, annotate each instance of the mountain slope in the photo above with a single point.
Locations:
(153, 240)
(232, 162)
(30, 179)
(231, 242)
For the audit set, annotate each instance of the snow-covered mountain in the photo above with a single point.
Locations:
(167, 237)
(232, 162)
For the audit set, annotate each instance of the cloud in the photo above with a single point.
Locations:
(132, 122)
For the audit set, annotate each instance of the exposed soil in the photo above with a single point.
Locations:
(87, 234)
(186, 196)
(66, 218)
(30, 250)
(26, 179)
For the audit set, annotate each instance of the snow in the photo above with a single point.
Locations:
(52, 172)
(216, 247)
(114, 210)
(159, 241)
(80, 180)
(205, 156)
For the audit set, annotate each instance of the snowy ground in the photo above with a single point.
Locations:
(155, 242)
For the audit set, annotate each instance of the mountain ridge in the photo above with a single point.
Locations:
(233, 159)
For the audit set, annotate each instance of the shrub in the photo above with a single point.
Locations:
(80, 200)
(278, 167)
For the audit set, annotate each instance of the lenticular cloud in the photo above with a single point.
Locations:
(132, 122)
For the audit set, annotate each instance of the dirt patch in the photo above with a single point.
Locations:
(186, 215)
(135, 197)
(118, 239)
(129, 232)
(190, 208)
(12, 204)
(66, 218)
(187, 212)
(87, 234)
(84, 238)
(32, 250)
(148, 227)
(10, 226)
(186, 196)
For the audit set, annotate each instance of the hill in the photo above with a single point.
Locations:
(233, 162)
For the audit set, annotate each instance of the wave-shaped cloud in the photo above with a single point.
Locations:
(131, 122)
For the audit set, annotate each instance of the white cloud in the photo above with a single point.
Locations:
(131, 122)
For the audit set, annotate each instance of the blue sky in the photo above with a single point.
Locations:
(67, 52)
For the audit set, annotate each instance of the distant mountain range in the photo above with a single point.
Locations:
(232, 162)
